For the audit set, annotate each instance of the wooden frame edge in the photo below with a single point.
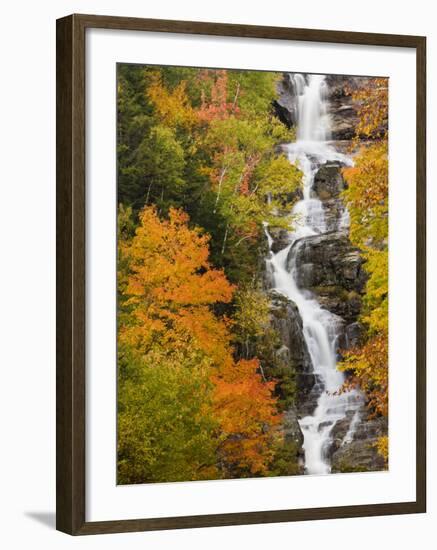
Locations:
(421, 460)
(70, 274)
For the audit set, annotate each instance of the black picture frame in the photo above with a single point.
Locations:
(71, 249)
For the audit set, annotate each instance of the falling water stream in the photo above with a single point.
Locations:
(320, 327)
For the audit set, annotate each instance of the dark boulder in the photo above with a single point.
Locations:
(360, 454)
(339, 432)
(343, 110)
(353, 335)
(287, 322)
(334, 215)
(285, 103)
(291, 427)
(280, 237)
(343, 303)
(307, 406)
(328, 260)
(357, 456)
(328, 181)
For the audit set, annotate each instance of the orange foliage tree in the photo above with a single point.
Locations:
(216, 106)
(168, 290)
(248, 417)
(170, 286)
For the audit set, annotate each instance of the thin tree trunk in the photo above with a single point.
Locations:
(148, 193)
(262, 372)
(227, 225)
(219, 190)
(234, 104)
(243, 239)
(225, 238)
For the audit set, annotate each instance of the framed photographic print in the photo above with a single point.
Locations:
(240, 274)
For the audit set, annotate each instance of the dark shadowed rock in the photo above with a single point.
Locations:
(346, 304)
(287, 322)
(307, 406)
(354, 334)
(360, 454)
(291, 427)
(328, 181)
(339, 432)
(289, 458)
(328, 260)
(285, 104)
(334, 212)
(327, 186)
(281, 238)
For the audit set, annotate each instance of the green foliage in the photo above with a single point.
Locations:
(205, 140)
(155, 171)
(251, 317)
(165, 422)
(286, 459)
(256, 90)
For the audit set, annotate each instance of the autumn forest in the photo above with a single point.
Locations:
(252, 274)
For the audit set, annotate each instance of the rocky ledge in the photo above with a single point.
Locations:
(360, 453)
(285, 319)
(328, 261)
(328, 181)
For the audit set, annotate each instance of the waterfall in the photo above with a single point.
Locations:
(320, 327)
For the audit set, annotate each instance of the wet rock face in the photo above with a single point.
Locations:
(356, 451)
(360, 454)
(308, 405)
(344, 118)
(353, 335)
(328, 186)
(286, 320)
(329, 265)
(328, 262)
(285, 105)
(291, 427)
(334, 211)
(344, 304)
(281, 239)
(328, 181)
(331, 268)
(342, 109)
(289, 459)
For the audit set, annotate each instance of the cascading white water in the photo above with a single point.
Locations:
(320, 327)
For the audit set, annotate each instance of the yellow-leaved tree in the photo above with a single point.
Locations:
(367, 200)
